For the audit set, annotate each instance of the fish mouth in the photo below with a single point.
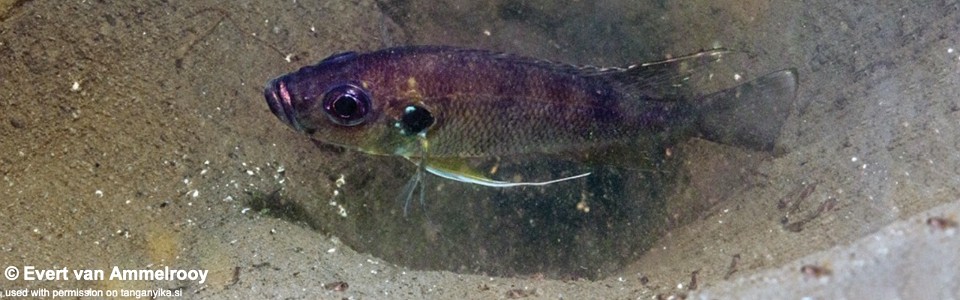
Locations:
(278, 98)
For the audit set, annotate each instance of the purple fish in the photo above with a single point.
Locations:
(440, 106)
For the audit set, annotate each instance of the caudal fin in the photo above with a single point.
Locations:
(749, 115)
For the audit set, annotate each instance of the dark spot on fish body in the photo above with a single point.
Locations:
(606, 107)
(655, 116)
(591, 106)
(675, 119)
(415, 120)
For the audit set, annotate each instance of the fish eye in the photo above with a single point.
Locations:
(346, 105)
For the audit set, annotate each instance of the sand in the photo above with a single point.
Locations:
(135, 135)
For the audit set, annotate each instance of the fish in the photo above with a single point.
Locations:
(440, 106)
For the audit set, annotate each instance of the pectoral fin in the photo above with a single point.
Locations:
(459, 170)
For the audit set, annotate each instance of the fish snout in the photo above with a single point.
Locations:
(279, 99)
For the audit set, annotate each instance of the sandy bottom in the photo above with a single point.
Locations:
(135, 136)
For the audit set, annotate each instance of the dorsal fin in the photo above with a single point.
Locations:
(665, 80)
(669, 79)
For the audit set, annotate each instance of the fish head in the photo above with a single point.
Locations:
(335, 103)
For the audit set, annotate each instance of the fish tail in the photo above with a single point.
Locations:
(749, 115)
